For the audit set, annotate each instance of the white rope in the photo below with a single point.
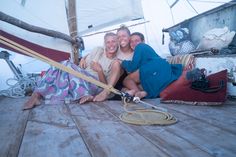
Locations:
(18, 90)
(143, 116)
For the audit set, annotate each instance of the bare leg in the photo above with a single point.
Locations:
(102, 96)
(86, 99)
(114, 77)
(132, 81)
(116, 72)
(34, 100)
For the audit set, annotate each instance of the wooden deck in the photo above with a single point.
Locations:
(94, 130)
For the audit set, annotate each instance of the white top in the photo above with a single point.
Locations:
(98, 55)
(124, 56)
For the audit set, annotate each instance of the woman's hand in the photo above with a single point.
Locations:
(82, 63)
(96, 66)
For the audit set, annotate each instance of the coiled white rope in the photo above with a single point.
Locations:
(18, 90)
(142, 116)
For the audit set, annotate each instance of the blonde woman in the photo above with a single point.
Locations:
(57, 85)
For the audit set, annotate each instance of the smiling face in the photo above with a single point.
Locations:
(124, 38)
(111, 43)
(134, 41)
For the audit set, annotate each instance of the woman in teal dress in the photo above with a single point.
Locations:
(149, 74)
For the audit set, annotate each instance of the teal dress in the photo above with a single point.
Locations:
(155, 72)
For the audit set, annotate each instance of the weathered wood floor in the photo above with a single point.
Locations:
(94, 130)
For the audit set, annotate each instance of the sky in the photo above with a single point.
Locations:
(156, 12)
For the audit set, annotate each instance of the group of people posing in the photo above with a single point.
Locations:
(124, 62)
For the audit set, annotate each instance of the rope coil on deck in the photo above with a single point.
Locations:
(142, 116)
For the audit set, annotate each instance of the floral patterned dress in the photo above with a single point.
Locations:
(56, 85)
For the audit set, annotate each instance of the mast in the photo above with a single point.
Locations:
(72, 24)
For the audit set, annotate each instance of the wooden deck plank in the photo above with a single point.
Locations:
(219, 116)
(56, 114)
(207, 137)
(46, 140)
(159, 135)
(199, 131)
(12, 125)
(106, 137)
(95, 129)
(91, 111)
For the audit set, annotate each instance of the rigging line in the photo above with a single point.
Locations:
(29, 62)
(60, 66)
(221, 2)
(113, 29)
(173, 4)
(192, 6)
(34, 54)
(145, 28)
(172, 16)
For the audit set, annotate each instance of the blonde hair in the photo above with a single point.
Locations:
(123, 28)
(109, 34)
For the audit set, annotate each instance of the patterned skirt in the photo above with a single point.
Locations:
(56, 86)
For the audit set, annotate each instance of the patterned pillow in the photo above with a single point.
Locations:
(180, 91)
(188, 61)
(184, 47)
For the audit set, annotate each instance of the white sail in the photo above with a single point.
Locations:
(93, 15)
(46, 14)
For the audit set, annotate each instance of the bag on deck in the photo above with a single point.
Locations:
(203, 84)
(209, 90)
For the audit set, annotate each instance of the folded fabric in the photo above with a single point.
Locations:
(180, 91)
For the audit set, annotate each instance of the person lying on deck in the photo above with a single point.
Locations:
(149, 74)
(57, 85)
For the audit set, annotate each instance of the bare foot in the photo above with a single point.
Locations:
(141, 94)
(101, 96)
(86, 99)
(131, 92)
(34, 100)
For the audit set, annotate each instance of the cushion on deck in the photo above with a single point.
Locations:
(180, 91)
(187, 61)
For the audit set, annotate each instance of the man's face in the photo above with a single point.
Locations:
(111, 44)
(134, 41)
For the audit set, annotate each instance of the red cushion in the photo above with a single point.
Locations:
(181, 90)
